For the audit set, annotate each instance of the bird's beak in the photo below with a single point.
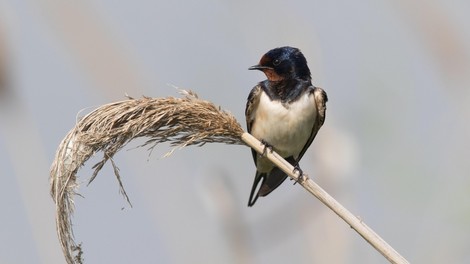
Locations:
(259, 67)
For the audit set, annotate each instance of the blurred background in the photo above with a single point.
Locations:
(394, 148)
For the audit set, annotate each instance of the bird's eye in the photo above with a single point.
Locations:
(276, 62)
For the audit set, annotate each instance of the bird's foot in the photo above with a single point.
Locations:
(301, 173)
(267, 146)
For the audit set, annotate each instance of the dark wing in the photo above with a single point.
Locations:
(250, 111)
(320, 100)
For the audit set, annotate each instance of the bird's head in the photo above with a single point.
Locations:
(283, 63)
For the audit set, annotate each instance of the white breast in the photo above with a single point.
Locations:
(287, 129)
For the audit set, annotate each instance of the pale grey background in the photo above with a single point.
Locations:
(394, 148)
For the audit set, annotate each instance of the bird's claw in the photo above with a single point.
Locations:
(301, 173)
(266, 147)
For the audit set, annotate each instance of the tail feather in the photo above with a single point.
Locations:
(258, 178)
(273, 180)
(268, 184)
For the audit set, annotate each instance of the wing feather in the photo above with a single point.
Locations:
(250, 111)
(320, 101)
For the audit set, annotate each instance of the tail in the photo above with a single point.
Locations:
(270, 181)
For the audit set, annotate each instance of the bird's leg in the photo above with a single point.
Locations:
(295, 163)
(266, 147)
(301, 173)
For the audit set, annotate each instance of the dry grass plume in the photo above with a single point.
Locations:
(181, 121)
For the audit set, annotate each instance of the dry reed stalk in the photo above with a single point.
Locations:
(180, 121)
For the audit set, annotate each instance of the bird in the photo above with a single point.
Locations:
(284, 112)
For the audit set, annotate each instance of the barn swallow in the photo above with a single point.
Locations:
(284, 112)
